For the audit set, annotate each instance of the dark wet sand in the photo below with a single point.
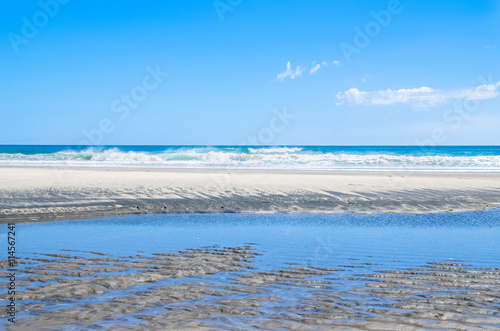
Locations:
(154, 292)
(44, 194)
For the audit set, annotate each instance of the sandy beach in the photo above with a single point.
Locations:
(172, 165)
(34, 194)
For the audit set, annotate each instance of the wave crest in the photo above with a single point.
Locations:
(252, 157)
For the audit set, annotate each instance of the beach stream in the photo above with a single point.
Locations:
(259, 272)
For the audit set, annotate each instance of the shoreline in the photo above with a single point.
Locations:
(255, 170)
(30, 194)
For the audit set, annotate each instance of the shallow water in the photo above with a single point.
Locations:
(267, 271)
(320, 239)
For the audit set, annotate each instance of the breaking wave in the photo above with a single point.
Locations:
(300, 158)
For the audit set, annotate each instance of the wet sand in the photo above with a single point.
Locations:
(216, 288)
(34, 194)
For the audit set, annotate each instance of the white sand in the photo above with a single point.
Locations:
(37, 193)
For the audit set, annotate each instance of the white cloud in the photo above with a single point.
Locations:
(289, 73)
(420, 97)
(315, 68)
(294, 73)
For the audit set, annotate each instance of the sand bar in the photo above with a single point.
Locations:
(34, 194)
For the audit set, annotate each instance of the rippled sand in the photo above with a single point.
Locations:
(217, 288)
(46, 194)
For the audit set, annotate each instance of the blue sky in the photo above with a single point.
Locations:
(390, 72)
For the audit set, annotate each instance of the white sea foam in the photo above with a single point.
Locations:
(259, 158)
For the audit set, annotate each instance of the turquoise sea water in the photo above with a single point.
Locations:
(373, 158)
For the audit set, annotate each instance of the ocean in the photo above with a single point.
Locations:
(359, 158)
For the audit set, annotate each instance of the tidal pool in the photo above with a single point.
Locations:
(260, 271)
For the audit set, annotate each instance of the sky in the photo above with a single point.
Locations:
(229, 72)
